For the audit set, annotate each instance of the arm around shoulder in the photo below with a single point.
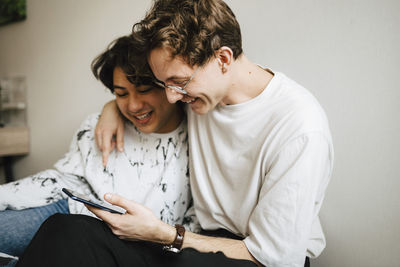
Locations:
(110, 125)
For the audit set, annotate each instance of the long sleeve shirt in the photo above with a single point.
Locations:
(152, 170)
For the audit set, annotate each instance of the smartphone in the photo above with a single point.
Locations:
(100, 205)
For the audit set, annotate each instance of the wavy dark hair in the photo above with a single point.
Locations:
(193, 29)
(122, 53)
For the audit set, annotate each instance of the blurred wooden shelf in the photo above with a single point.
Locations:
(14, 141)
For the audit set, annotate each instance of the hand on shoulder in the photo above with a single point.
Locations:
(109, 132)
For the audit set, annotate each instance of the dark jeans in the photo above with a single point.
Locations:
(78, 240)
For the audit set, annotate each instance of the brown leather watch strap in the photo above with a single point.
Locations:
(180, 234)
(176, 246)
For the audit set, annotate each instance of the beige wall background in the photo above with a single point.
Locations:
(345, 52)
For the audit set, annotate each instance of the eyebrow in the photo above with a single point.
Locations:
(118, 87)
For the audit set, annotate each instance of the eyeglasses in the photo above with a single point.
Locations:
(177, 88)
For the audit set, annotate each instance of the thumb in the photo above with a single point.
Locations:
(122, 202)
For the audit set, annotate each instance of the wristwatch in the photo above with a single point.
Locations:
(176, 246)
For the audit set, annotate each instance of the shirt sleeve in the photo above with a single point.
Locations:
(36, 190)
(45, 187)
(289, 201)
(81, 148)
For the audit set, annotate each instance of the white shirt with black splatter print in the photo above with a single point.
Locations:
(152, 170)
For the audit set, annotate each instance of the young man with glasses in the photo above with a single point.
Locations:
(260, 148)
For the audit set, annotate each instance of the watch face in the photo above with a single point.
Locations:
(170, 248)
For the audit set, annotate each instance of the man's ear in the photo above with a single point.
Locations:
(224, 56)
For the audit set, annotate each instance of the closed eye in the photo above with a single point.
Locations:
(120, 91)
(120, 94)
(146, 90)
(179, 82)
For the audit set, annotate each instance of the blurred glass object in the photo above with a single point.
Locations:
(13, 101)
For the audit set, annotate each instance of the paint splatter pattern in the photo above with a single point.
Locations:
(152, 170)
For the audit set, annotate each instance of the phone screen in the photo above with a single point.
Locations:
(100, 205)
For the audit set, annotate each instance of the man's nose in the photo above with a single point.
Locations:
(172, 95)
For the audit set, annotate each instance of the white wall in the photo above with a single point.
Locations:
(345, 52)
(54, 48)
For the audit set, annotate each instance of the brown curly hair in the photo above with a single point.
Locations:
(193, 29)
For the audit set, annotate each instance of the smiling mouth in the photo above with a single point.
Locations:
(143, 116)
(190, 101)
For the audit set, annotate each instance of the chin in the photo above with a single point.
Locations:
(201, 107)
(201, 111)
(146, 130)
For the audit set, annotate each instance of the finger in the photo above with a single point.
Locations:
(112, 147)
(107, 141)
(127, 238)
(120, 137)
(106, 216)
(119, 233)
(98, 139)
(107, 154)
(114, 230)
(122, 202)
(105, 157)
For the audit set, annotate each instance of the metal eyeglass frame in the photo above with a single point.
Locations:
(177, 88)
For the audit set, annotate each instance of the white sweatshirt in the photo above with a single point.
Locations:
(152, 171)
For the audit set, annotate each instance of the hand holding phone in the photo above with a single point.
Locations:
(100, 205)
